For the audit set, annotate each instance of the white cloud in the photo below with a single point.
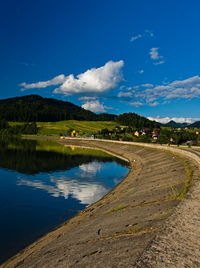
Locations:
(159, 62)
(149, 94)
(183, 89)
(85, 98)
(134, 38)
(153, 104)
(154, 54)
(95, 80)
(147, 85)
(125, 94)
(141, 71)
(136, 103)
(95, 106)
(52, 82)
(147, 33)
(165, 120)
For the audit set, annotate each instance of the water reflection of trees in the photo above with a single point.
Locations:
(24, 156)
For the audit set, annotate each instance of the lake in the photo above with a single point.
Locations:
(43, 183)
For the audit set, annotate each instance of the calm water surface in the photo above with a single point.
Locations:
(42, 184)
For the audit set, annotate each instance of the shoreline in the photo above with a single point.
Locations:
(112, 220)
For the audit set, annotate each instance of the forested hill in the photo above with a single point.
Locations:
(195, 125)
(137, 121)
(36, 108)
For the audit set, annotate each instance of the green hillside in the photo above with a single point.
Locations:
(34, 108)
(82, 127)
(56, 117)
(62, 127)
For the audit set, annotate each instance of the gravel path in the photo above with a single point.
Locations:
(178, 242)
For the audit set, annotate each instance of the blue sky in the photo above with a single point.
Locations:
(108, 56)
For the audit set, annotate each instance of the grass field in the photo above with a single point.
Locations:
(82, 127)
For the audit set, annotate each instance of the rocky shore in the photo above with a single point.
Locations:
(148, 220)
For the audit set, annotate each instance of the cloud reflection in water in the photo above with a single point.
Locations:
(89, 170)
(87, 192)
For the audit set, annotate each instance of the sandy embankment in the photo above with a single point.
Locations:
(131, 226)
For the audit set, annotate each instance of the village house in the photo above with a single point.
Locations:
(155, 135)
(74, 133)
(137, 133)
(145, 131)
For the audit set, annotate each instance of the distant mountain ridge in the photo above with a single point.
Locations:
(36, 108)
(172, 123)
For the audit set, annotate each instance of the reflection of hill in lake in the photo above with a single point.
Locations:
(32, 157)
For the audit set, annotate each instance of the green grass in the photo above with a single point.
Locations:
(82, 127)
(48, 145)
(188, 180)
(174, 193)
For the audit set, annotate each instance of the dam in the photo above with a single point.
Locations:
(151, 219)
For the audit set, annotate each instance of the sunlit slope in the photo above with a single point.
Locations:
(82, 127)
(62, 127)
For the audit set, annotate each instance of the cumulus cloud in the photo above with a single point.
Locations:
(153, 95)
(155, 56)
(52, 82)
(95, 106)
(146, 33)
(95, 80)
(165, 120)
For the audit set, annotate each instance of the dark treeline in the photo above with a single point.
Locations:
(26, 128)
(195, 124)
(34, 108)
(24, 157)
(136, 121)
(177, 137)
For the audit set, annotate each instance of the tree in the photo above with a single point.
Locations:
(104, 132)
(136, 121)
(164, 136)
(3, 124)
